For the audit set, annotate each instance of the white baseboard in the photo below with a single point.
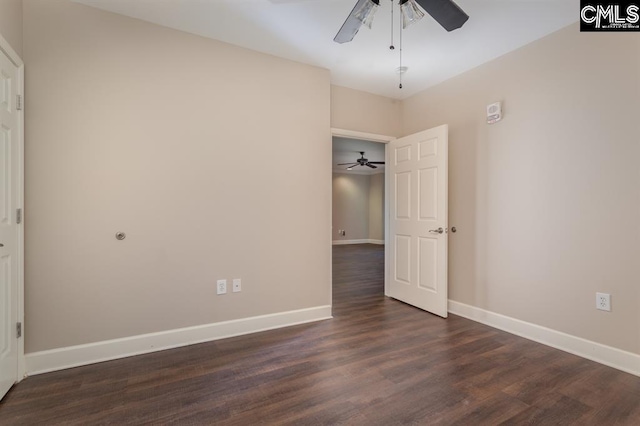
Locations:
(74, 356)
(344, 242)
(607, 355)
(365, 241)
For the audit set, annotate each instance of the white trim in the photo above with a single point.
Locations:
(363, 241)
(329, 230)
(387, 208)
(374, 138)
(20, 205)
(12, 54)
(345, 242)
(607, 355)
(74, 356)
(351, 134)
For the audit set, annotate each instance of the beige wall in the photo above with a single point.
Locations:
(173, 139)
(364, 112)
(376, 207)
(350, 206)
(546, 202)
(358, 206)
(11, 23)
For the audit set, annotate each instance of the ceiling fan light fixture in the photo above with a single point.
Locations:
(410, 13)
(366, 12)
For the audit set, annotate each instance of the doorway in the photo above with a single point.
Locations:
(359, 211)
(415, 215)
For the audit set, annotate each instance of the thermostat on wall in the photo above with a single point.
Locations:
(494, 112)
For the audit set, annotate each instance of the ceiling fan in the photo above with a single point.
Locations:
(362, 162)
(445, 12)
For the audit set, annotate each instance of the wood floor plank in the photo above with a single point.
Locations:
(378, 362)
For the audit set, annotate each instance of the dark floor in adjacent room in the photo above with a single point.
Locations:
(378, 362)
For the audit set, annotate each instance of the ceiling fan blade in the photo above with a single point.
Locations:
(371, 165)
(445, 12)
(376, 162)
(347, 164)
(351, 26)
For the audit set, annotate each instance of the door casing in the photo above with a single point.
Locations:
(382, 139)
(371, 137)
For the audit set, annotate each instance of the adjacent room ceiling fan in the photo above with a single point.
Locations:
(362, 162)
(445, 12)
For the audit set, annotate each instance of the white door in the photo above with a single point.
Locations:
(9, 169)
(418, 234)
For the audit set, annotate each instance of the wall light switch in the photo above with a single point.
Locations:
(237, 285)
(221, 287)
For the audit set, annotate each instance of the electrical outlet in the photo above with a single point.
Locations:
(344, 232)
(222, 286)
(603, 301)
(339, 231)
(237, 285)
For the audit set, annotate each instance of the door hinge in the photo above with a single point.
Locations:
(18, 215)
(19, 329)
(19, 102)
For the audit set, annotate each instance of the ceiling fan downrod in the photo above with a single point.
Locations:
(391, 46)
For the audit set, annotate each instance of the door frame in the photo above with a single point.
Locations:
(370, 137)
(13, 56)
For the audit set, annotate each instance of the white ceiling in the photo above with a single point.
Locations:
(303, 30)
(348, 150)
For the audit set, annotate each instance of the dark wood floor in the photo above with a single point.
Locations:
(378, 362)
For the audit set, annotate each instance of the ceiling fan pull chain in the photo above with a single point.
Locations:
(400, 69)
(391, 46)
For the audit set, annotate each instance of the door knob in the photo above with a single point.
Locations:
(436, 231)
